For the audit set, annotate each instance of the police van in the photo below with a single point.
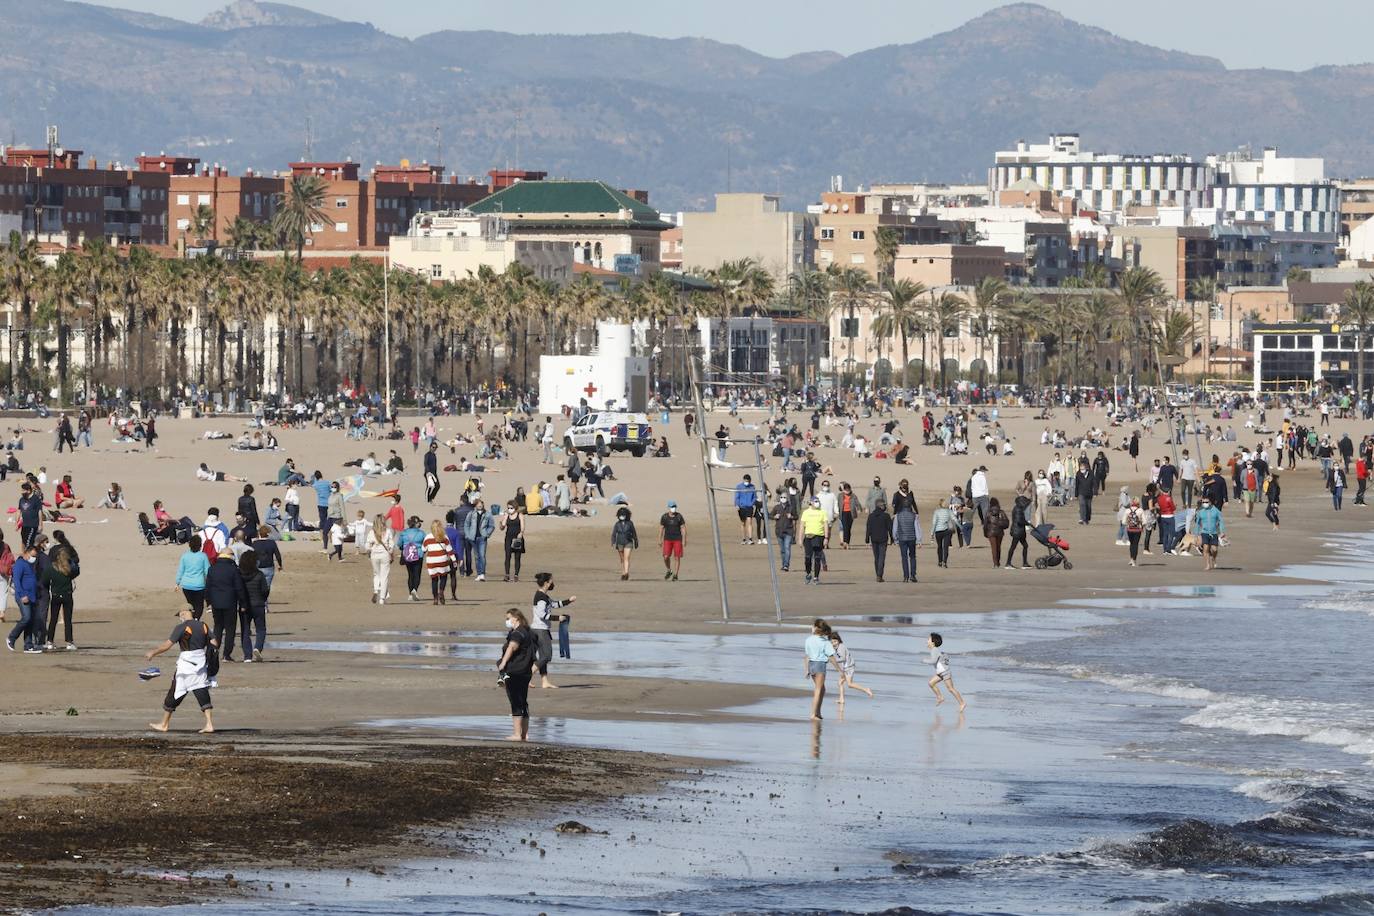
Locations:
(608, 430)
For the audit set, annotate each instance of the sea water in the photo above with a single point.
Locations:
(1200, 750)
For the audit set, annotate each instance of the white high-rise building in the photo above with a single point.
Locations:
(1290, 194)
(1107, 183)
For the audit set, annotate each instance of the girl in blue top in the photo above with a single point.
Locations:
(191, 576)
(410, 545)
(819, 654)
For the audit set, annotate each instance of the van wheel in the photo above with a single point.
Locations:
(637, 451)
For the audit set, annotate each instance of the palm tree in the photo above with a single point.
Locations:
(300, 208)
(1205, 289)
(943, 313)
(203, 223)
(809, 293)
(1139, 297)
(24, 275)
(1358, 310)
(989, 295)
(850, 288)
(1297, 275)
(885, 244)
(1176, 333)
(246, 234)
(900, 312)
(1064, 316)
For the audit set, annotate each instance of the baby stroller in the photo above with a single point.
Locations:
(1054, 544)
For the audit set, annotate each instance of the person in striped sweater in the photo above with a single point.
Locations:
(440, 561)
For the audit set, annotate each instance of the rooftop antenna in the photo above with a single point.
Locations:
(438, 145)
(309, 138)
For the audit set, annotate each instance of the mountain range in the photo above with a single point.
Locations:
(252, 84)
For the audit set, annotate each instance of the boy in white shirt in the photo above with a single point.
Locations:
(359, 531)
(941, 662)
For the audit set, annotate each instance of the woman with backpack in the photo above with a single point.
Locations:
(410, 542)
(1133, 519)
(625, 539)
(995, 525)
(514, 671)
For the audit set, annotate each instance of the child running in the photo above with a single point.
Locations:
(940, 660)
(845, 661)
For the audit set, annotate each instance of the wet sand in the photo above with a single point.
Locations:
(125, 599)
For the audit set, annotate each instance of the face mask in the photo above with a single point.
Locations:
(510, 624)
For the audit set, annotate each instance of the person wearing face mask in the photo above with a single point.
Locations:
(540, 624)
(1042, 499)
(876, 494)
(813, 525)
(830, 505)
(625, 540)
(784, 527)
(903, 497)
(514, 671)
(1209, 526)
(513, 524)
(477, 528)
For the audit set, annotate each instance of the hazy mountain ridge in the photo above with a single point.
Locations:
(661, 114)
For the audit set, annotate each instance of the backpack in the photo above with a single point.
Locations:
(411, 552)
(207, 547)
(7, 562)
(1134, 521)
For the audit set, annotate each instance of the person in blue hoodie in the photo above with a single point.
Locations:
(745, 497)
(24, 580)
(191, 572)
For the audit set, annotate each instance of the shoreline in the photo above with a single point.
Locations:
(305, 703)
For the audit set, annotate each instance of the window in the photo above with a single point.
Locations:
(856, 259)
(849, 327)
(183, 200)
(316, 227)
(341, 227)
(857, 235)
(183, 224)
(436, 271)
(827, 234)
(202, 199)
(340, 203)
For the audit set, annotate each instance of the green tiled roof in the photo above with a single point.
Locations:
(570, 197)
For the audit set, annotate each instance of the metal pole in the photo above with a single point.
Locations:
(710, 487)
(772, 566)
(386, 329)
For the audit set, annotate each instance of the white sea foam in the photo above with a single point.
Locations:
(1317, 723)
(1350, 602)
(1275, 791)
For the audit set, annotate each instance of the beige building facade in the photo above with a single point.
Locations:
(749, 226)
(450, 246)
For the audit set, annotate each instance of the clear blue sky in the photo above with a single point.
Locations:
(1262, 33)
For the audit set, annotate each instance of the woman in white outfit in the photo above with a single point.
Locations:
(380, 550)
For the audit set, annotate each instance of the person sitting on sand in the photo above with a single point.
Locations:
(195, 641)
(66, 497)
(204, 473)
(114, 498)
(16, 443)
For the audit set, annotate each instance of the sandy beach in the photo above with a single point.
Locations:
(81, 715)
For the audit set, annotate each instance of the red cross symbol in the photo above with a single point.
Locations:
(590, 389)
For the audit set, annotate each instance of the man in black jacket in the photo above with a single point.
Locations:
(878, 534)
(226, 595)
(1084, 483)
(432, 472)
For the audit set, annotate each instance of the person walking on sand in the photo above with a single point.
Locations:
(625, 539)
(195, 641)
(57, 579)
(745, 497)
(254, 611)
(191, 571)
(940, 660)
(995, 526)
(845, 661)
(431, 472)
(819, 654)
(541, 624)
(513, 524)
(380, 552)
(226, 595)
(813, 524)
(1209, 526)
(440, 562)
(878, 535)
(478, 528)
(25, 577)
(1271, 498)
(410, 542)
(672, 537)
(514, 671)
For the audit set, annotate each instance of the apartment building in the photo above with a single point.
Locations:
(949, 265)
(848, 223)
(51, 193)
(749, 226)
(1180, 255)
(608, 229)
(451, 245)
(1290, 194)
(1106, 183)
(1357, 205)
